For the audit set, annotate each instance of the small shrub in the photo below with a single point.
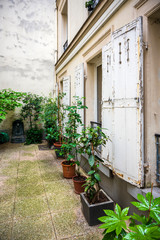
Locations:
(34, 135)
(4, 137)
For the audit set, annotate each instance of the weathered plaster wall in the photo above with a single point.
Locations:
(28, 43)
(27, 39)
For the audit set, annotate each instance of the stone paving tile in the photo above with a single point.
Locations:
(23, 180)
(30, 190)
(70, 223)
(10, 156)
(62, 202)
(10, 169)
(57, 187)
(48, 165)
(36, 202)
(35, 228)
(6, 210)
(51, 176)
(31, 206)
(5, 230)
(46, 155)
(7, 193)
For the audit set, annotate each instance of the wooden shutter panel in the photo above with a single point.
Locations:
(67, 91)
(126, 102)
(79, 88)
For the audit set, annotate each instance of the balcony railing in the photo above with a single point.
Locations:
(158, 156)
(95, 124)
(65, 45)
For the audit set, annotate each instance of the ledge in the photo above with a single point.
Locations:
(105, 170)
(133, 191)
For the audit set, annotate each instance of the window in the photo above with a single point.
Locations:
(64, 14)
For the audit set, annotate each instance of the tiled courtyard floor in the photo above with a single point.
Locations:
(36, 202)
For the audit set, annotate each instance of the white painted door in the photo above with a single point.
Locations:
(126, 122)
(79, 88)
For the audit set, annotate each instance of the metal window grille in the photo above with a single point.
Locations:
(158, 156)
(65, 45)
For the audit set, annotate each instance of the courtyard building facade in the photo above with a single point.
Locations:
(110, 55)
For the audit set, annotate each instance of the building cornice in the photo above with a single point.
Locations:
(73, 48)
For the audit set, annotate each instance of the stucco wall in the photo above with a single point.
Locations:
(28, 42)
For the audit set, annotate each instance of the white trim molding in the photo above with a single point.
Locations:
(101, 21)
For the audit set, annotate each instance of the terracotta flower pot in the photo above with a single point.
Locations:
(57, 146)
(78, 183)
(68, 170)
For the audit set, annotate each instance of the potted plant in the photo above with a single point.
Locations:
(94, 199)
(90, 5)
(70, 148)
(49, 118)
(58, 134)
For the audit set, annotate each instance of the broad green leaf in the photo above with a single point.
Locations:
(91, 160)
(91, 172)
(97, 176)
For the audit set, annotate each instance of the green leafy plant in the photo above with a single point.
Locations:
(70, 148)
(4, 137)
(89, 3)
(49, 117)
(61, 116)
(90, 141)
(32, 108)
(9, 100)
(33, 136)
(140, 228)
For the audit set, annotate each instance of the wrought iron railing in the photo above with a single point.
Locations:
(95, 124)
(158, 156)
(65, 45)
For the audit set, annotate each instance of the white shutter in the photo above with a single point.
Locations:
(67, 97)
(67, 91)
(79, 88)
(126, 103)
(107, 104)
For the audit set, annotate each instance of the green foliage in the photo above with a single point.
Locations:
(9, 100)
(140, 228)
(4, 137)
(32, 108)
(33, 136)
(73, 122)
(49, 117)
(149, 204)
(89, 3)
(115, 222)
(61, 116)
(90, 141)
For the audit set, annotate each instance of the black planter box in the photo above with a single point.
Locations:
(92, 212)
